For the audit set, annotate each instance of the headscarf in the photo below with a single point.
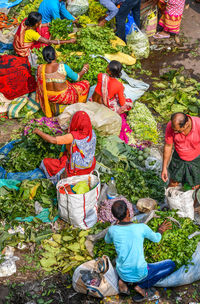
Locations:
(81, 126)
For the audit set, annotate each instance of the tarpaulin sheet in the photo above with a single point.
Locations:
(7, 4)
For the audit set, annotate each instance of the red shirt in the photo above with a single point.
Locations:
(115, 87)
(187, 146)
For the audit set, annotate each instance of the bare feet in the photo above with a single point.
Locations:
(140, 290)
(123, 288)
(177, 39)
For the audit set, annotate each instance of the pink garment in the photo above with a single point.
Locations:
(187, 146)
(125, 129)
(175, 7)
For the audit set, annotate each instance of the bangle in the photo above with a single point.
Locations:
(58, 41)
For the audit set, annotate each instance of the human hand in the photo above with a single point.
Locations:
(102, 22)
(86, 68)
(164, 175)
(75, 21)
(35, 131)
(166, 225)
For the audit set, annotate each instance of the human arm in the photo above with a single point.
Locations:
(59, 140)
(112, 8)
(56, 42)
(151, 235)
(64, 12)
(73, 75)
(166, 157)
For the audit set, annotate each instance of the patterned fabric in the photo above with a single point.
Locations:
(185, 171)
(44, 32)
(76, 92)
(5, 22)
(15, 76)
(113, 103)
(22, 48)
(171, 15)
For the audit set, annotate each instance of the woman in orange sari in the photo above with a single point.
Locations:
(26, 35)
(54, 88)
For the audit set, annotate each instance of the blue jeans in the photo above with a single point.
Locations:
(126, 7)
(157, 271)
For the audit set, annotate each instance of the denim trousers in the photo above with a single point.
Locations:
(157, 271)
(126, 7)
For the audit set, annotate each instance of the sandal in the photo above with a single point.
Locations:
(159, 36)
(150, 295)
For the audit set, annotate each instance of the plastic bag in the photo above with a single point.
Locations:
(97, 278)
(130, 23)
(154, 161)
(185, 274)
(81, 187)
(77, 7)
(139, 43)
(4, 102)
(8, 4)
(181, 201)
(150, 23)
(103, 119)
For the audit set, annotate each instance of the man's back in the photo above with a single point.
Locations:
(128, 239)
(49, 9)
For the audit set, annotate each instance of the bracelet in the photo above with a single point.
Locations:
(58, 41)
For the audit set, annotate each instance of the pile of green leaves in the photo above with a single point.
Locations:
(31, 6)
(59, 29)
(20, 203)
(66, 251)
(15, 10)
(143, 123)
(175, 94)
(135, 184)
(174, 244)
(30, 151)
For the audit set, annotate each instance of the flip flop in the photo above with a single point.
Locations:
(150, 295)
(159, 36)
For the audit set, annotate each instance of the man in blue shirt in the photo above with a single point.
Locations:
(121, 13)
(131, 266)
(53, 9)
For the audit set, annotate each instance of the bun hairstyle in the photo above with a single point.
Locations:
(115, 68)
(49, 54)
(33, 19)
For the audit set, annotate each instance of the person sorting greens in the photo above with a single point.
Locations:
(80, 144)
(54, 88)
(110, 91)
(128, 239)
(27, 35)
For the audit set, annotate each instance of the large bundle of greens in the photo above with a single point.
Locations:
(174, 244)
(32, 149)
(20, 203)
(143, 123)
(175, 94)
(59, 29)
(32, 6)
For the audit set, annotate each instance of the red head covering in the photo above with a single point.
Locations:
(80, 126)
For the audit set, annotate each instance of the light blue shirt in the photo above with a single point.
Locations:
(53, 9)
(128, 240)
(70, 73)
(111, 5)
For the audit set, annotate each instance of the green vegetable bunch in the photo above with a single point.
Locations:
(59, 29)
(32, 6)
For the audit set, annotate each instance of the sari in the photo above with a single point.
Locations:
(113, 103)
(76, 92)
(81, 157)
(172, 11)
(22, 48)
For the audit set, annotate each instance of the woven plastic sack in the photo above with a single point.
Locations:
(103, 119)
(150, 23)
(181, 201)
(105, 282)
(77, 7)
(80, 210)
(139, 42)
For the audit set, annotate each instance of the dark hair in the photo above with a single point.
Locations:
(182, 119)
(119, 209)
(49, 54)
(115, 68)
(33, 19)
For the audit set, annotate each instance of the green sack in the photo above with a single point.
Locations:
(81, 187)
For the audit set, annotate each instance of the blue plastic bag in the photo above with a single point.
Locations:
(129, 23)
(5, 46)
(20, 176)
(7, 4)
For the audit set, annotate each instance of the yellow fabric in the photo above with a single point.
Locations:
(117, 41)
(48, 112)
(31, 35)
(121, 57)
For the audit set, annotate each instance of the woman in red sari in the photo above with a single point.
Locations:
(27, 35)
(110, 91)
(80, 145)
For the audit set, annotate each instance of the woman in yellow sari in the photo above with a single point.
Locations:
(54, 88)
